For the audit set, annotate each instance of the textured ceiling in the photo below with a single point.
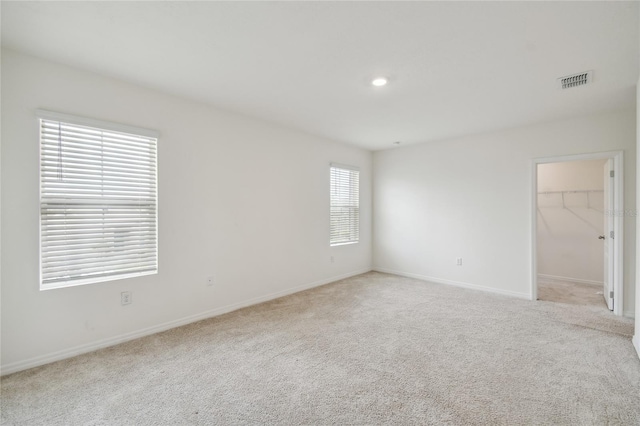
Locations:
(455, 68)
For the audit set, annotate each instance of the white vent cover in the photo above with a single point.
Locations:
(575, 80)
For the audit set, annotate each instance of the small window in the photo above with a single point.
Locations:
(98, 201)
(345, 205)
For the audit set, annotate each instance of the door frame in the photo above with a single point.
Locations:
(618, 219)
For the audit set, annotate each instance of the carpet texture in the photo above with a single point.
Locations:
(564, 291)
(372, 349)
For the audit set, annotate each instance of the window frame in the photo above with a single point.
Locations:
(332, 185)
(102, 126)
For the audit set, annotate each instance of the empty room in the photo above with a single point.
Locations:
(319, 213)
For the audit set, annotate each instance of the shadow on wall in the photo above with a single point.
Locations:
(585, 206)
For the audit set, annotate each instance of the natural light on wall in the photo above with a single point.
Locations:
(345, 205)
(98, 201)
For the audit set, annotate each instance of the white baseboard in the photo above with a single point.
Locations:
(636, 342)
(100, 344)
(629, 314)
(455, 283)
(575, 280)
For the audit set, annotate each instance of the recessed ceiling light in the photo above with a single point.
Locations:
(379, 81)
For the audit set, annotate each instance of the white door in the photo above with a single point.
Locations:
(608, 233)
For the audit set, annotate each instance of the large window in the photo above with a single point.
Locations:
(345, 205)
(98, 201)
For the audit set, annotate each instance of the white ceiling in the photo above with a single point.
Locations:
(455, 68)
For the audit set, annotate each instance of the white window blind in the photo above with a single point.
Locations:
(98, 202)
(345, 205)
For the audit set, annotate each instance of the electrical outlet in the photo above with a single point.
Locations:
(332, 259)
(209, 281)
(126, 298)
(459, 261)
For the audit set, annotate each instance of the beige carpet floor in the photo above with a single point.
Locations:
(564, 291)
(372, 349)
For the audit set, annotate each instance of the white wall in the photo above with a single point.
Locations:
(471, 197)
(568, 230)
(636, 337)
(240, 199)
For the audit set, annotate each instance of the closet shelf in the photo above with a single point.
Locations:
(580, 191)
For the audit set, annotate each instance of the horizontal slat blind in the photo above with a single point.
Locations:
(345, 205)
(98, 204)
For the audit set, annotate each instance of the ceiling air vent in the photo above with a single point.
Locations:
(575, 80)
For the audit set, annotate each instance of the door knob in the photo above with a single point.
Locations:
(601, 237)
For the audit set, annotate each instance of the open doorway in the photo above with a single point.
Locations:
(577, 235)
(570, 232)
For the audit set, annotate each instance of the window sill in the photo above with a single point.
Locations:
(344, 244)
(74, 283)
